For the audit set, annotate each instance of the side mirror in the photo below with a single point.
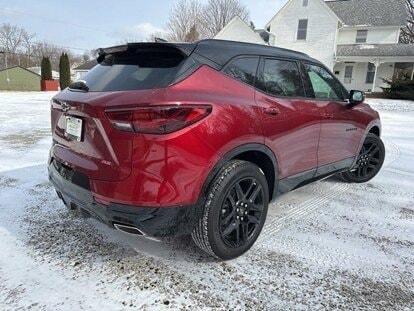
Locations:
(356, 97)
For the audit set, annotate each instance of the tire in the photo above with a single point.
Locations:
(234, 212)
(369, 163)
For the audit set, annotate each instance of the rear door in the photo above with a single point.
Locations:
(291, 122)
(340, 132)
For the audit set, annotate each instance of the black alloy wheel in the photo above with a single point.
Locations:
(369, 162)
(234, 212)
(241, 212)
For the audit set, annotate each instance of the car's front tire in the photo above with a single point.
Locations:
(369, 162)
(234, 212)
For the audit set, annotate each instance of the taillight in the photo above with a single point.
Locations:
(157, 119)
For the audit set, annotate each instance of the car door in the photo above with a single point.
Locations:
(340, 131)
(291, 122)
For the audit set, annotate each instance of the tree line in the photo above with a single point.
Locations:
(22, 49)
(188, 21)
(191, 20)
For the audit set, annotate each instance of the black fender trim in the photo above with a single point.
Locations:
(233, 154)
(370, 126)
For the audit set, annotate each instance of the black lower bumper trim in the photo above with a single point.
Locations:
(156, 222)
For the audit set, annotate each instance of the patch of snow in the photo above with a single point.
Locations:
(328, 245)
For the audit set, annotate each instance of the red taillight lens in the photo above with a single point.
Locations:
(157, 119)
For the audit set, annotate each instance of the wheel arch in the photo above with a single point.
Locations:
(375, 129)
(258, 154)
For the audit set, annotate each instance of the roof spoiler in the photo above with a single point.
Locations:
(185, 48)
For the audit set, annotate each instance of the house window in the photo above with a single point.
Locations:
(370, 73)
(403, 70)
(348, 74)
(305, 2)
(302, 29)
(361, 36)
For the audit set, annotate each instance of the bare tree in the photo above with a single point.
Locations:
(27, 46)
(407, 32)
(192, 35)
(184, 15)
(16, 42)
(22, 49)
(218, 13)
(53, 52)
(11, 37)
(86, 57)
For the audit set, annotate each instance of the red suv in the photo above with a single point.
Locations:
(164, 139)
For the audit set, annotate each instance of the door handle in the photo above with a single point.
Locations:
(272, 111)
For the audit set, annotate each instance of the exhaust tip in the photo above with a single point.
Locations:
(128, 229)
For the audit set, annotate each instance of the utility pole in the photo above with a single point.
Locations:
(7, 72)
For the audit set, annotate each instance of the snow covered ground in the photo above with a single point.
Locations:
(327, 245)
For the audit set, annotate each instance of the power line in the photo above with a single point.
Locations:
(48, 19)
(61, 46)
(52, 20)
(21, 54)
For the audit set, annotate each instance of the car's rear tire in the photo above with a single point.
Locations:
(369, 163)
(234, 212)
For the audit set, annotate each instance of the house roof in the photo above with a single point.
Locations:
(375, 50)
(245, 32)
(323, 2)
(370, 12)
(12, 67)
(87, 66)
(38, 70)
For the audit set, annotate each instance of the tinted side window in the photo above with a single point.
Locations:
(243, 69)
(281, 78)
(324, 85)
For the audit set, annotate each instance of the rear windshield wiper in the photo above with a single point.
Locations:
(79, 85)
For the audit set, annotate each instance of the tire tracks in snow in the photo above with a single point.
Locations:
(327, 194)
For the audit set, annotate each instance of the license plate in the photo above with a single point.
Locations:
(74, 128)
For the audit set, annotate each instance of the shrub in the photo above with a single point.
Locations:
(46, 69)
(64, 71)
(399, 88)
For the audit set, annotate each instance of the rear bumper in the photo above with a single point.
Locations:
(155, 222)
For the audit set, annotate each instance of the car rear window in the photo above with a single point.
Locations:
(134, 71)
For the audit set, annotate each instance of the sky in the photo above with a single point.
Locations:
(84, 25)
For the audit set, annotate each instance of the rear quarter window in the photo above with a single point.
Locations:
(243, 69)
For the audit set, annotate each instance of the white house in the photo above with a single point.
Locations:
(356, 39)
(238, 30)
(80, 71)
